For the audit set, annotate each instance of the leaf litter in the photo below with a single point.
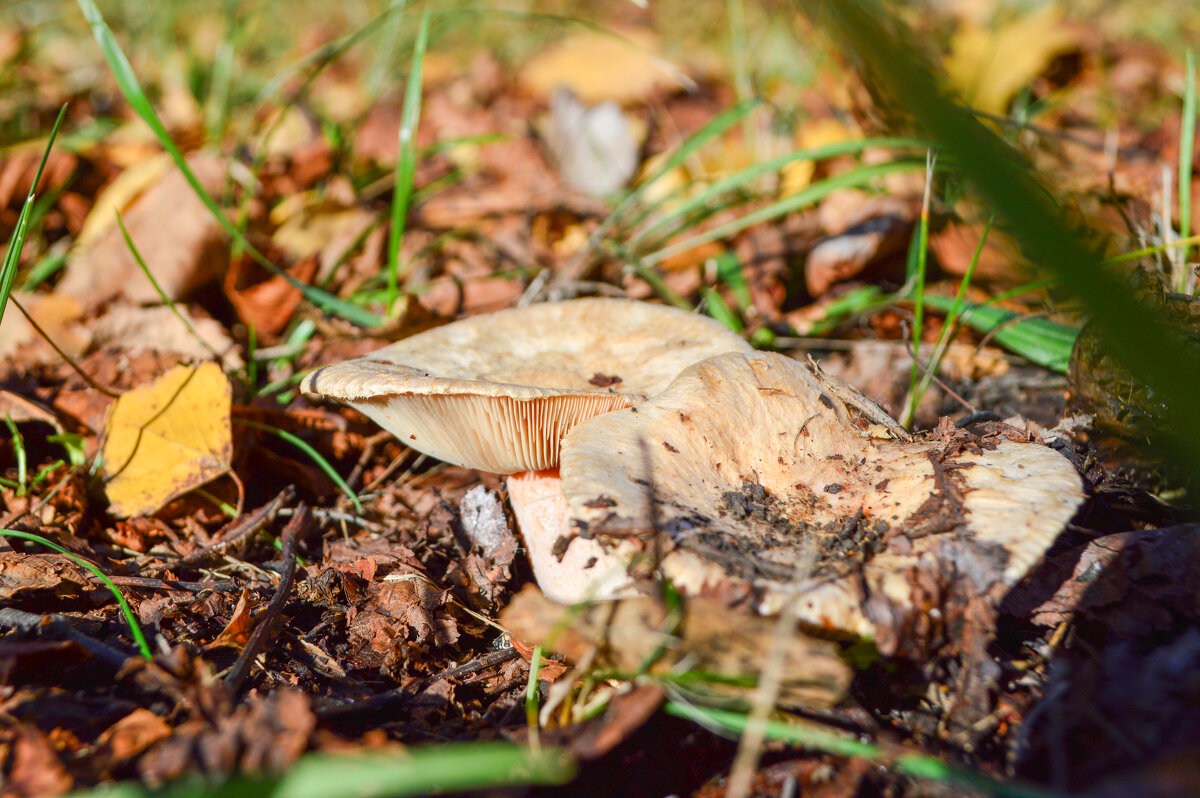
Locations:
(415, 620)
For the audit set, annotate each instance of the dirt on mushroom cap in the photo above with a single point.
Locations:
(765, 490)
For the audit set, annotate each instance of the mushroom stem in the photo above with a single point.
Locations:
(568, 568)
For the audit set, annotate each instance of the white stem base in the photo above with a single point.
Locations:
(586, 571)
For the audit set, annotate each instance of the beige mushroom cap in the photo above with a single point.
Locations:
(766, 489)
(498, 392)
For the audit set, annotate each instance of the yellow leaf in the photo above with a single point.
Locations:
(623, 68)
(167, 438)
(796, 175)
(989, 66)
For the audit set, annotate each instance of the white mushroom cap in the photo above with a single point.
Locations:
(761, 482)
(498, 392)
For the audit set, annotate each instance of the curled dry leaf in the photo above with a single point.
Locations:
(771, 482)
(166, 438)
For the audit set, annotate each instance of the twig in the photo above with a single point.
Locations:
(258, 638)
(149, 583)
(111, 394)
(233, 533)
(61, 626)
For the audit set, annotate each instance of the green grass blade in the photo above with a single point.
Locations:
(187, 323)
(713, 128)
(1042, 341)
(812, 737)
(916, 277)
(952, 317)
(808, 196)
(1187, 144)
(12, 255)
(18, 442)
(1165, 361)
(426, 770)
(406, 161)
(136, 97)
(754, 171)
(134, 628)
(316, 457)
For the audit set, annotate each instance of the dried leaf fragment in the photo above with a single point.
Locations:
(167, 438)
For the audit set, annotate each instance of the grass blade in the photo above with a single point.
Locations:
(406, 161)
(434, 769)
(952, 319)
(809, 736)
(136, 97)
(12, 255)
(134, 628)
(1042, 341)
(801, 199)
(1155, 354)
(756, 170)
(187, 323)
(576, 268)
(316, 457)
(916, 278)
(1187, 144)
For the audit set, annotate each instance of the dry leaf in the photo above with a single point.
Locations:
(158, 329)
(989, 65)
(133, 734)
(266, 305)
(181, 242)
(241, 623)
(599, 67)
(167, 438)
(58, 315)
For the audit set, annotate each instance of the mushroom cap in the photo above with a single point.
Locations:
(765, 488)
(498, 392)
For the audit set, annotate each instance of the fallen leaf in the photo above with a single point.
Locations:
(266, 305)
(57, 315)
(241, 623)
(623, 68)
(119, 195)
(133, 734)
(39, 576)
(989, 65)
(20, 409)
(36, 769)
(158, 329)
(181, 242)
(167, 438)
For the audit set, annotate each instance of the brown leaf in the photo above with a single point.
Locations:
(241, 624)
(36, 769)
(180, 241)
(402, 611)
(132, 735)
(36, 574)
(269, 303)
(159, 329)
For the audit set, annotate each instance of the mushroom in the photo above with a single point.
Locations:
(499, 392)
(761, 480)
